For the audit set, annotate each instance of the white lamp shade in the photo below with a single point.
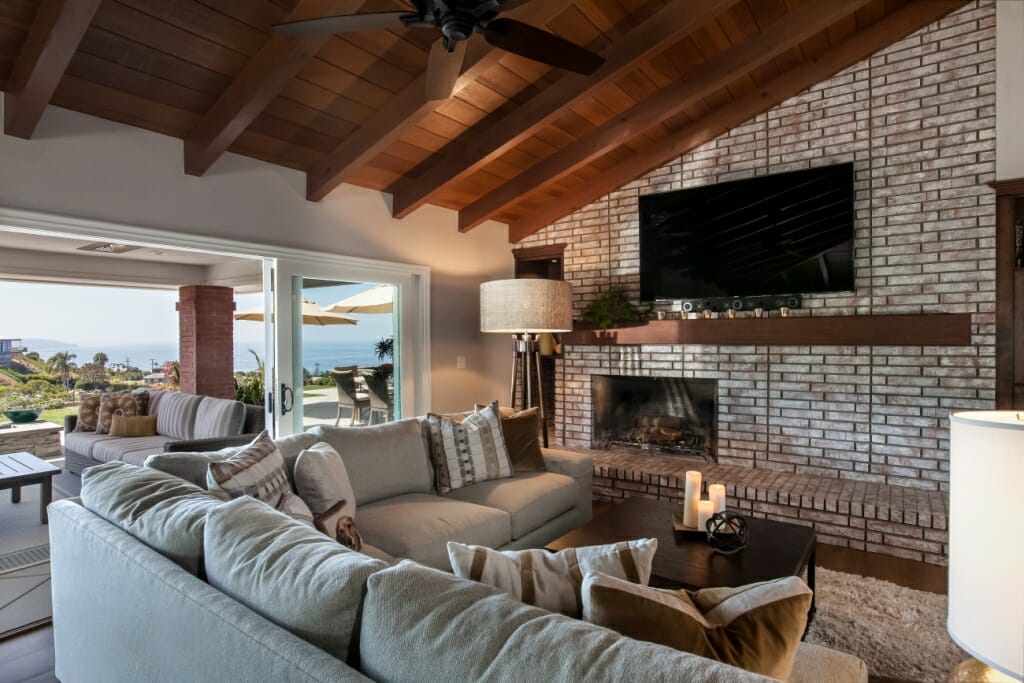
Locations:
(525, 305)
(986, 538)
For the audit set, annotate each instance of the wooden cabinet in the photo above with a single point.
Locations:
(1009, 296)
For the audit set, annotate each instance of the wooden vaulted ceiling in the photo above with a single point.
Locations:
(518, 142)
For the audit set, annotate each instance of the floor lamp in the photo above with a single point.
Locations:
(986, 544)
(526, 308)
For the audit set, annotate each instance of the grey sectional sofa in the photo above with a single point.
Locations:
(185, 422)
(270, 599)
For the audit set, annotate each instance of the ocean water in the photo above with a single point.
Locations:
(322, 355)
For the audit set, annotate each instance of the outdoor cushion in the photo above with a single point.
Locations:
(176, 414)
(219, 417)
(531, 498)
(289, 573)
(417, 526)
(384, 460)
(115, 448)
(464, 631)
(83, 442)
(161, 510)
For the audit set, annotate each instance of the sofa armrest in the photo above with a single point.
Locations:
(70, 422)
(204, 445)
(579, 466)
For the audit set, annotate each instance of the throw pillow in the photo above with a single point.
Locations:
(88, 413)
(522, 438)
(257, 470)
(139, 425)
(468, 451)
(321, 480)
(141, 397)
(553, 580)
(115, 404)
(756, 627)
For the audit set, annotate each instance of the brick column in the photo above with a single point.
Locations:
(206, 332)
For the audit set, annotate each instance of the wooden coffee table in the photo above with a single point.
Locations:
(25, 469)
(774, 550)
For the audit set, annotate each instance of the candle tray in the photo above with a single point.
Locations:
(677, 524)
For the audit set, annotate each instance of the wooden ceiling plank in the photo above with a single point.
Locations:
(408, 108)
(262, 79)
(724, 68)
(57, 29)
(885, 32)
(668, 26)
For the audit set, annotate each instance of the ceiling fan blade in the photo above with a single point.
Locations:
(443, 69)
(541, 46)
(342, 24)
(509, 5)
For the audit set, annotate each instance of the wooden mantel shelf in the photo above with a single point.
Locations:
(942, 329)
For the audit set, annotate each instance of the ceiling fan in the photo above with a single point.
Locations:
(458, 20)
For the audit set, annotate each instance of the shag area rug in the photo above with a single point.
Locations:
(899, 632)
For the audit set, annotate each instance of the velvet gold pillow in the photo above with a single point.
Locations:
(522, 438)
(135, 426)
(755, 627)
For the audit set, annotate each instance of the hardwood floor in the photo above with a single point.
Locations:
(28, 658)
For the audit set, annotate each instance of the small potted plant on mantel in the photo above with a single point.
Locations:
(615, 309)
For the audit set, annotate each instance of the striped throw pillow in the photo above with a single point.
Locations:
(553, 581)
(257, 470)
(468, 449)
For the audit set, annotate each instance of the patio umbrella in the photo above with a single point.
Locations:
(380, 299)
(311, 315)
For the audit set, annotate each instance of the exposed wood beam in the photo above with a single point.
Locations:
(785, 33)
(261, 80)
(881, 34)
(52, 40)
(409, 107)
(668, 26)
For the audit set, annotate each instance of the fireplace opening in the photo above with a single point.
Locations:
(656, 414)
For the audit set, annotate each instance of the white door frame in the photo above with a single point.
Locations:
(415, 322)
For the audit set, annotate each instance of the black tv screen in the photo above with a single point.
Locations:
(786, 233)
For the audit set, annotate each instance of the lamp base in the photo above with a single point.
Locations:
(973, 671)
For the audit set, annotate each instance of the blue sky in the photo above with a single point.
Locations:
(112, 315)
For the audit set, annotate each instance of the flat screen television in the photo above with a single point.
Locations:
(785, 233)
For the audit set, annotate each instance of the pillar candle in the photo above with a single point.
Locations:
(705, 509)
(691, 495)
(716, 492)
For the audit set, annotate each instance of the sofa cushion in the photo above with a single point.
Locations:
(290, 446)
(418, 525)
(409, 608)
(291, 574)
(191, 467)
(133, 426)
(755, 627)
(164, 512)
(322, 481)
(384, 460)
(116, 448)
(83, 442)
(176, 414)
(219, 417)
(532, 499)
(553, 580)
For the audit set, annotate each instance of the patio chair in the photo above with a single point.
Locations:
(348, 396)
(380, 397)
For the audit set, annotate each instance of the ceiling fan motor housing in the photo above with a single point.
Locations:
(457, 24)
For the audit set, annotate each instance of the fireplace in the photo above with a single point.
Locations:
(656, 414)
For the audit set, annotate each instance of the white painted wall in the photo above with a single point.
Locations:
(81, 166)
(1009, 89)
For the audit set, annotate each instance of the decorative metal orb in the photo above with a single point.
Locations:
(727, 532)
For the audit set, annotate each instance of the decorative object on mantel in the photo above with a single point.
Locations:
(986, 550)
(613, 308)
(526, 308)
(1018, 234)
(727, 532)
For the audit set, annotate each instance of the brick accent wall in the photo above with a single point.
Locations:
(207, 334)
(918, 121)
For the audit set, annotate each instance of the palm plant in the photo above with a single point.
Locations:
(385, 349)
(61, 364)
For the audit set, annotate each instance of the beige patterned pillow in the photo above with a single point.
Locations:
(257, 470)
(115, 404)
(468, 450)
(553, 580)
(88, 413)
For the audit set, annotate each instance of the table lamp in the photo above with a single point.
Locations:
(986, 544)
(526, 308)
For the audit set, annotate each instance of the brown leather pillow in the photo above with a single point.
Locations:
(757, 627)
(522, 438)
(134, 425)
